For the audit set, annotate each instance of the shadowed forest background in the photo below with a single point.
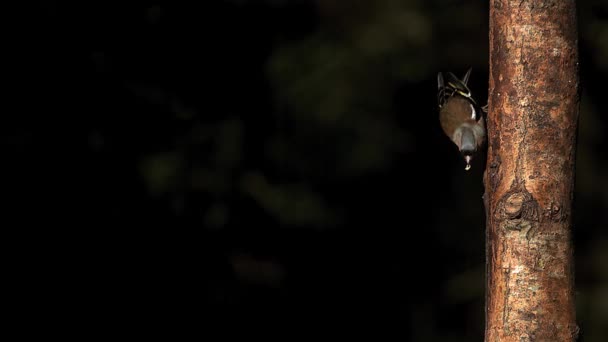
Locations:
(267, 166)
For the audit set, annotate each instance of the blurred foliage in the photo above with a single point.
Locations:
(296, 144)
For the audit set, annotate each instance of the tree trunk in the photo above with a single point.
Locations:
(529, 180)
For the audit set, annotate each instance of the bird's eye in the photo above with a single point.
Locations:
(468, 152)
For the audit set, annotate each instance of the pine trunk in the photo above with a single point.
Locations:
(529, 180)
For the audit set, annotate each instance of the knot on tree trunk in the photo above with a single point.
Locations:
(517, 204)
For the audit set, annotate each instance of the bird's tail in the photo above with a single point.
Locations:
(453, 86)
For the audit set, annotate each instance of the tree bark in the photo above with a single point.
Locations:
(529, 179)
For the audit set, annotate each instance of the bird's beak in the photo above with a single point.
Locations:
(468, 160)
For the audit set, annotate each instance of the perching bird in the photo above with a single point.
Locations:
(460, 117)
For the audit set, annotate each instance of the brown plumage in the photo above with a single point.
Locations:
(460, 117)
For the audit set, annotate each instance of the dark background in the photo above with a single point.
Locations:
(271, 168)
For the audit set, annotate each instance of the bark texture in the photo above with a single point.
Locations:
(529, 180)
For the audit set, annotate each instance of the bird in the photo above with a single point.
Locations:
(461, 119)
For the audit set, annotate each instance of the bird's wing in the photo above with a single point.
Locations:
(453, 86)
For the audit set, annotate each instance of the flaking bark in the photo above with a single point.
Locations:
(529, 179)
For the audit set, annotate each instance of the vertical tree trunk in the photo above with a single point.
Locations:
(529, 180)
